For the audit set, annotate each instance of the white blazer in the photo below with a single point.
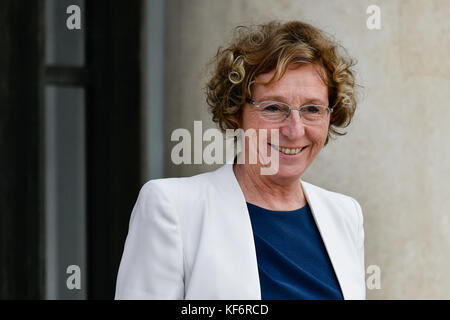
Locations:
(191, 238)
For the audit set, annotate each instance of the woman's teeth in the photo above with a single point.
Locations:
(287, 150)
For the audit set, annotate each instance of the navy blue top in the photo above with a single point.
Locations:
(293, 263)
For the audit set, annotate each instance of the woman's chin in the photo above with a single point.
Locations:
(289, 172)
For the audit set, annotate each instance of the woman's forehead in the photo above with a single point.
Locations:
(303, 80)
(305, 73)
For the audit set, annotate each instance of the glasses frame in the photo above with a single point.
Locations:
(299, 109)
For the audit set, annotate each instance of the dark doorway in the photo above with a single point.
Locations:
(92, 80)
(113, 136)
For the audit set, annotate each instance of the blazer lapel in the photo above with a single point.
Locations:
(239, 241)
(331, 236)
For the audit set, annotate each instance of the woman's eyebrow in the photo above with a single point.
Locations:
(283, 99)
(274, 98)
(316, 101)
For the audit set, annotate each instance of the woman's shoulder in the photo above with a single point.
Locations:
(182, 199)
(179, 188)
(339, 206)
(180, 181)
(333, 199)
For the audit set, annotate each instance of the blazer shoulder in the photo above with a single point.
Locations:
(178, 189)
(184, 181)
(325, 192)
(335, 199)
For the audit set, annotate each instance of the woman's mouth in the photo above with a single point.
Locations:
(288, 151)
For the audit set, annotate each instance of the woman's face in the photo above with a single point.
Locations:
(299, 86)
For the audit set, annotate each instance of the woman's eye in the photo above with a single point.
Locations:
(312, 109)
(272, 108)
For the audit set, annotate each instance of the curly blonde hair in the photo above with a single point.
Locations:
(259, 49)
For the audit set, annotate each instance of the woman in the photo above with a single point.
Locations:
(235, 233)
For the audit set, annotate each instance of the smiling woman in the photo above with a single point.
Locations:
(235, 233)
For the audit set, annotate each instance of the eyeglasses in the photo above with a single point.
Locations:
(276, 111)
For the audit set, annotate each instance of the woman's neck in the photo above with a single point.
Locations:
(265, 191)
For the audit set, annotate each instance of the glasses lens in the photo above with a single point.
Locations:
(273, 111)
(314, 114)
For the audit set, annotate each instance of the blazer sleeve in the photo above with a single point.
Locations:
(152, 260)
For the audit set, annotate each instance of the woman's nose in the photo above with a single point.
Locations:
(293, 126)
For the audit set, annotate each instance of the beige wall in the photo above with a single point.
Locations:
(395, 159)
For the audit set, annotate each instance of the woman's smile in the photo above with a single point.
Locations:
(288, 152)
